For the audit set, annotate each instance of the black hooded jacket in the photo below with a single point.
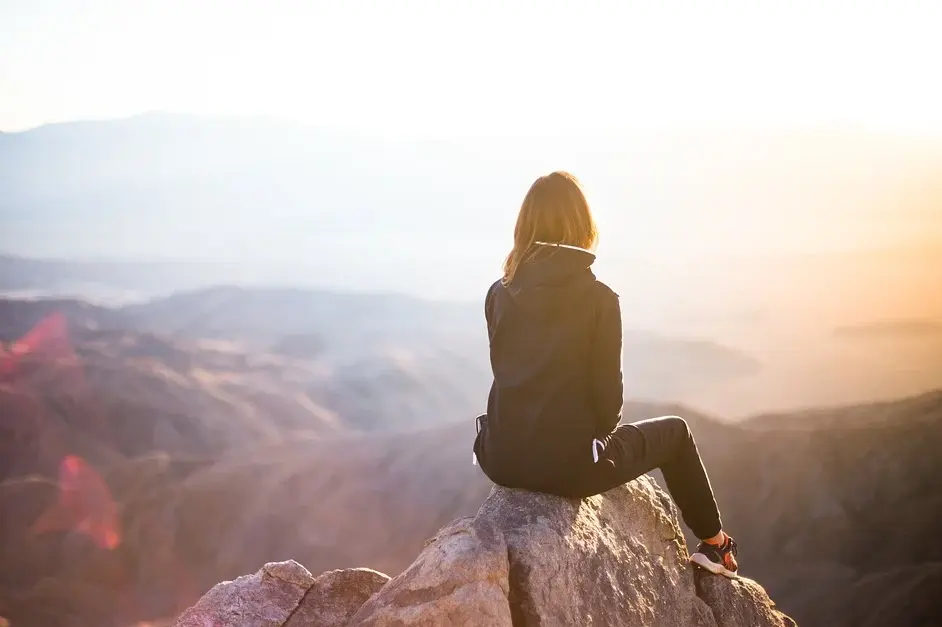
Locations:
(555, 346)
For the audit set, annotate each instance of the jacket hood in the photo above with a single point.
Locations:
(553, 277)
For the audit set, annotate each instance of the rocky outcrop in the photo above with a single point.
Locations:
(285, 594)
(335, 596)
(461, 578)
(526, 559)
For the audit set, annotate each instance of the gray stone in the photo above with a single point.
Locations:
(335, 596)
(265, 599)
(739, 603)
(613, 559)
(461, 578)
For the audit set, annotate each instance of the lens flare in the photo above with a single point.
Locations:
(84, 505)
(47, 340)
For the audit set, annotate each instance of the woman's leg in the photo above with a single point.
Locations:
(666, 443)
(669, 445)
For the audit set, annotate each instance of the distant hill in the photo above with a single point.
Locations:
(109, 282)
(385, 381)
(233, 311)
(890, 329)
(430, 356)
(283, 202)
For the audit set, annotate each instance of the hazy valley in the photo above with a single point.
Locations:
(237, 426)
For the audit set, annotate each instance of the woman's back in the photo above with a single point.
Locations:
(543, 329)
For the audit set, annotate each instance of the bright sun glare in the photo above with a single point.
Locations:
(482, 67)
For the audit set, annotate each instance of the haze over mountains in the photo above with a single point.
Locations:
(733, 345)
(279, 203)
(221, 454)
(269, 343)
(763, 243)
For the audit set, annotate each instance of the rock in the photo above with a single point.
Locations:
(285, 594)
(739, 603)
(266, 599)
(613, 559)
(526, 559)
(460, 579)
(335, 596)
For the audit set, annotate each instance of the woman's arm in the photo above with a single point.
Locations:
(606, 381)
(488, 308)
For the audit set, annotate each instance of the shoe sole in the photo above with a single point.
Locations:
(704, 562)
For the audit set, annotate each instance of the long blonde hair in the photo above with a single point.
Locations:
(554, 211)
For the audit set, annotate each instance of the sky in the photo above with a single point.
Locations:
(447, 67)
(414, 68)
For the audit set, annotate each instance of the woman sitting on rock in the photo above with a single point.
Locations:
(556, 354)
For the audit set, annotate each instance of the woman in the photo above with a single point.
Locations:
(556, 348)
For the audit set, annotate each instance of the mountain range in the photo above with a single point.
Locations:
(851, 338)
(220, 458)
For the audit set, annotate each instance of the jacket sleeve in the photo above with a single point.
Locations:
(489, 308)
(606, 379)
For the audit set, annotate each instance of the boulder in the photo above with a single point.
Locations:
(266, 599)
(285, 594)
(526, 559)
(461, 578)
(335, 596)
(739, 603)
(612, 559)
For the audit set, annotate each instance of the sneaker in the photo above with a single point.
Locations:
(719, 560)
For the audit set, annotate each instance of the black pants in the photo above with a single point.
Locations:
(632, 450)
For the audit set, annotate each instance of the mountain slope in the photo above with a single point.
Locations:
(825, 503)
(211, 464)
(806, 524)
